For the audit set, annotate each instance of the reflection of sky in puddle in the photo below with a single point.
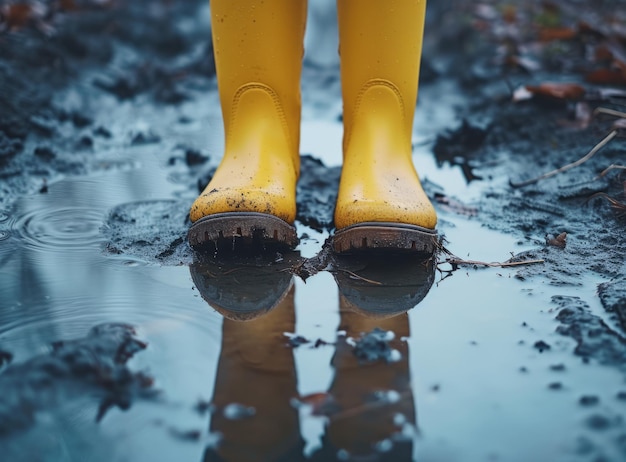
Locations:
(464, 352)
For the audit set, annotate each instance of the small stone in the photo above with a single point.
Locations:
(588, 400)
(186, 435)
(193, 157)
(555, 386)
(85, 142)
(80, 120)
(202, 407)
(557, 367)
(44, 152)
(102, 132)
(298, 340)
(374, 346)
(542, 346)
(145, 138)
(5, 357)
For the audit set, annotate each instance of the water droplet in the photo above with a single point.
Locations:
(385, 445)
(236, 411)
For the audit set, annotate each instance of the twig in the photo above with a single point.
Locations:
(619, 208)
(580, 161)
(604, 110)
(356, 276)
(609, 168)
(460, 261)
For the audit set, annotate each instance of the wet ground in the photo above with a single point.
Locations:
(118, 344)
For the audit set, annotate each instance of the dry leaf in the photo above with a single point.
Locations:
(556, 90)
(548, 34)
(615, 75)
(17, 15)
(321, 403)
(559, 241)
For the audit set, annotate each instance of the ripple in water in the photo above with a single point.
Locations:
(60, 229)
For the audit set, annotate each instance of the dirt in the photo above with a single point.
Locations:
(156, 55)
(93, 365)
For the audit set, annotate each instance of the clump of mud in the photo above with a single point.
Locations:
(613, 297)
(375, 346)
(595, 339)
(91, 366)
(154, 231)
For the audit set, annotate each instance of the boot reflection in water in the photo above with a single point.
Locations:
(256, 377)
(375, 417)
(372, 416)
(251, 199)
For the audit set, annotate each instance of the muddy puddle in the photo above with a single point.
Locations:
(467, 365)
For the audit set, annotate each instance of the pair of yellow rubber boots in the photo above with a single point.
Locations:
(258, 46)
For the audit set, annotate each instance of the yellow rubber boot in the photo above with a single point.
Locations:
(381, 203)
(258, 46)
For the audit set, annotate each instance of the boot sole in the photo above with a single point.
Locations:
(399, 237)
(241, 230)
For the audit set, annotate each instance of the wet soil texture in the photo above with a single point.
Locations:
(118, 343)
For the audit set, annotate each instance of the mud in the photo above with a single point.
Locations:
(127, 50)
(109, 128)
(93, 365)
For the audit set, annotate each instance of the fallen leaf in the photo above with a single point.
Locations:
(552, 90)
(509, 13)
(586, 28)
(321, 403)
(607, 77)
(17, 15)
(549, 34)
(603, 53)
(559, 241)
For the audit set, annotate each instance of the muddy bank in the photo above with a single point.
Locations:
(127, 50)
